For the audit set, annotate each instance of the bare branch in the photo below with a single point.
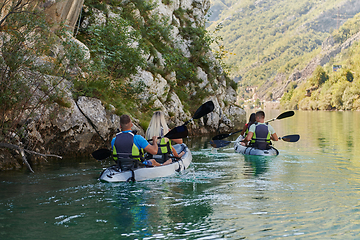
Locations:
(22, 150)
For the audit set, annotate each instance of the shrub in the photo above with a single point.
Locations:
(318, 77)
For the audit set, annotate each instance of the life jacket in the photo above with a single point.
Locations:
(247, 128)
(124, 147)
(261, 137)
(164, 151)
(164, 147)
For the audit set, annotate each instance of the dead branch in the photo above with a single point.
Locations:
(22, 153)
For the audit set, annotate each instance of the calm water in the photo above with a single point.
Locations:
(310, 191)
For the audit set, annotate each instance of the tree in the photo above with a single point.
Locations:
(31, 71)
(319, 76)
(9, 7)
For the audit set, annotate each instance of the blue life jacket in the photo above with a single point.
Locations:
(124, 147)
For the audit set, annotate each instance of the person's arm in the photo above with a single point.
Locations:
(174, 152)
(250, 133)
(152, 149)
(243, 130)
(248, 136)
(274, 137)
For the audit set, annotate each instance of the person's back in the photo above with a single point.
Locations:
(126, 145)
(159, 127)
(261, 133)
(261, 136)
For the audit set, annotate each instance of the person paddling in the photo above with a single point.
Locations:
(127, 145)
(158, 126)
(260, 134)
(246, 127)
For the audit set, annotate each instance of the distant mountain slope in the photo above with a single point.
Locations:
(269, 38)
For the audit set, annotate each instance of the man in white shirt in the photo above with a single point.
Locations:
(261, 133)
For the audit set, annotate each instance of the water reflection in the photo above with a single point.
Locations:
(256, 165)
(152, 207)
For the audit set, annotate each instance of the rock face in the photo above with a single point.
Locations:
(87, 125)
(66, 11)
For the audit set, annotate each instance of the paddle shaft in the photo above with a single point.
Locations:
(223, 143)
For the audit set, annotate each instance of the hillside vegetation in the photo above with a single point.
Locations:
(328, 89)
(268, 38)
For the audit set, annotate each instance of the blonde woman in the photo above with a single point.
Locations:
(159, 127)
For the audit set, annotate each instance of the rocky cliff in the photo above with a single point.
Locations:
(85, 124)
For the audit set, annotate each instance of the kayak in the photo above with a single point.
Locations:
(114, 173)
(253, 151)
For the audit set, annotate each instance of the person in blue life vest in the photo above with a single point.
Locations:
(260, 134)
(126, 144)
(159, 127)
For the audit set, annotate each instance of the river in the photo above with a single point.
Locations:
(309, 191)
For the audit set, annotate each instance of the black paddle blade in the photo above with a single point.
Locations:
(286, 114)
(219, 143)
(204, 109)
(177, 132)
(101, 154)
(291, 138)
(222, 136)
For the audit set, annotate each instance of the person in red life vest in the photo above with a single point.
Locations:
(260, 134)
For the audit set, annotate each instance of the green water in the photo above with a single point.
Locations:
(309, 191)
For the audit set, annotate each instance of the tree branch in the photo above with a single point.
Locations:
(22, 153)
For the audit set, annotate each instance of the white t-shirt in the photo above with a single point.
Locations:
(270, 128)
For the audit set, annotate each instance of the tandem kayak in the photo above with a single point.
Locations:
(253, 151)
(114, 174)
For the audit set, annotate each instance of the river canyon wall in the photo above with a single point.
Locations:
(86, 124)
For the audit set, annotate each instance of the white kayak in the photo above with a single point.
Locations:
(114, 174)
(253, 151)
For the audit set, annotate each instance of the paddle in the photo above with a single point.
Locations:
(222, 136)
(224, 143)
(180, 132)
(281, 116)
(200, 112)
(290, 138)
(204, 109)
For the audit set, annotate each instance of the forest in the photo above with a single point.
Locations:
(268, 38)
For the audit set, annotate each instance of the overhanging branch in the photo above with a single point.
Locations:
(22, 150)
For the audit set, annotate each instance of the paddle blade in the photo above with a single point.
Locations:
(204, 109)
(219, 143)
(222, 136)
(286, 114)
(177, 132)
(101, 154)
(291, 138)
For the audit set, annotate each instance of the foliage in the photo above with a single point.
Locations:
(319, 77)
(141, 34)
(337, 90)
(27, 60)
(271, 37)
